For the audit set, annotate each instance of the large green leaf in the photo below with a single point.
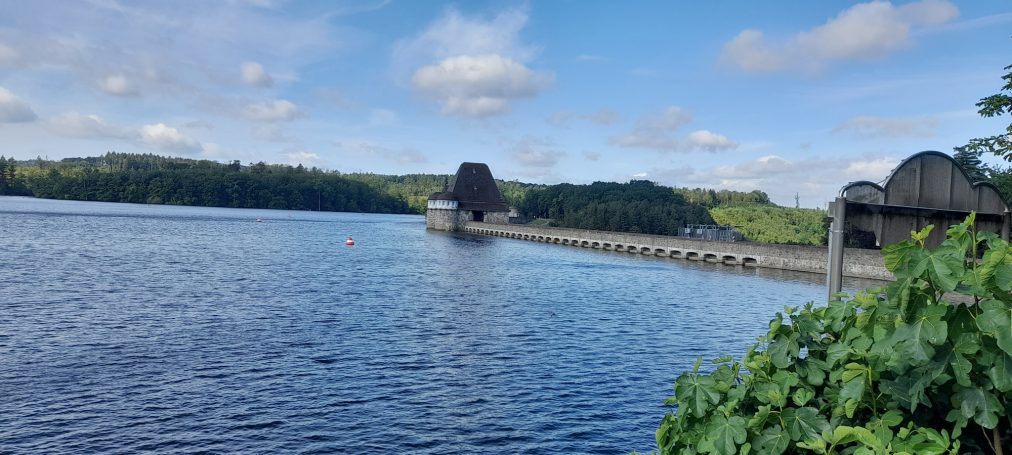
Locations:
(804, 423)
(837, 352)
(996, 319)
(945, 269)
(897, 254)
(783, 349)
(852, 391)
(1001, 373)
(915, 339)
(961, 368)
(726, 434)
(814, 371)
(975, 402)
(1003, 277)
(696, 392)
(772, 441)
(837, 314)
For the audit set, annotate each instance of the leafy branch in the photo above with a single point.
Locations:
(893, 370)
(994, 106)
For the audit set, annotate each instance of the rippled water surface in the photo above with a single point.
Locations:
(157, 329)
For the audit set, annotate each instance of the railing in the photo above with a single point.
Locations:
(715, 232)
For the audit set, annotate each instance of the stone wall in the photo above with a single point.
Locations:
(858, 263)
(454, 220)
(497, 218)
(446, 220)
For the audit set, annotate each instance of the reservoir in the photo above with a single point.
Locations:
(162, 329)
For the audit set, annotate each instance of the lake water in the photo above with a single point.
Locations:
(159, 329)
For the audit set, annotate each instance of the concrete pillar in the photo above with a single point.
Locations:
(1006, 224)
(834, 271)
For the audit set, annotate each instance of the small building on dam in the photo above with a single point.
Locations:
(473, 196)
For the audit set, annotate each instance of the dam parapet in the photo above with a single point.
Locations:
(860, 263)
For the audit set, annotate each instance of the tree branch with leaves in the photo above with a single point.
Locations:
(994, 106)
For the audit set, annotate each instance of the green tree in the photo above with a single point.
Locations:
(895, 370)
(3, 175)
(994, 106)
(1002, 179)
(969, 160)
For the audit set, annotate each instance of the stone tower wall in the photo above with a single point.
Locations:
(454, 220)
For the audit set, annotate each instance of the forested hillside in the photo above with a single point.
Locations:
(638, 206)
(151, 179)
(775, 224)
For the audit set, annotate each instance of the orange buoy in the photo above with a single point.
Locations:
(349, 242)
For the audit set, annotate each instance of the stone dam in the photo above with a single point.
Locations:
(859, 263)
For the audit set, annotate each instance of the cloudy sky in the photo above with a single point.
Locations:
(787, 97)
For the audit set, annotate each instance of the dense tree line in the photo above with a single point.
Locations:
(775, 224)
(638, 206)
(717, 198)
(151, 179)
(9, 177)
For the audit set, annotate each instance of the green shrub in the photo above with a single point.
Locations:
(900, 369)
(775, 224)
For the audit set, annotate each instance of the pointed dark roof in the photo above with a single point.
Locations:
(475, 188)
(443, 196)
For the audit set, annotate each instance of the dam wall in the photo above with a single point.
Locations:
(858, 263)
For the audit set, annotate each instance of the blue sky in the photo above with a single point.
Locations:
(785, 97)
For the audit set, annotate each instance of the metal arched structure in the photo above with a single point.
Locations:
(926, 188)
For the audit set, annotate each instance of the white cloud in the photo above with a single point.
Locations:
(591, 58)
(173, 56)
(479, 86)
(199, 124)
(410, 157)
(156, 136)
(402, 156)
(474, 66)
(708, 141)
(670, 119)
(454, 35)
(814, 180)
(118, 85)
(272, 111)
(213, 151)
(886, 127)
(271, 133)
(761, 168)
(304, 157)
(657, 132)
(164, 137)
(538, 158)
(8, 55)
(591, 156)
(535, 152)
(601, 117)
(253, 74)
(13, 109)
(91, 126)
(383, 117)
(864, 31)
(875, 169)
